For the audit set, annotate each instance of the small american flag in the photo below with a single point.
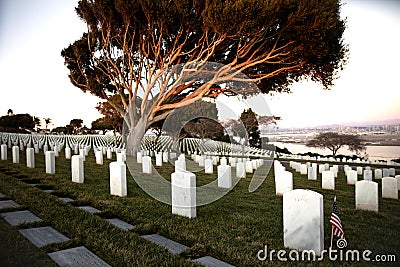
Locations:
(335, 221)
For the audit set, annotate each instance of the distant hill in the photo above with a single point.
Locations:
(373, 123)
(352, 124)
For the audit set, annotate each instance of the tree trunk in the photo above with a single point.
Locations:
(135, 136)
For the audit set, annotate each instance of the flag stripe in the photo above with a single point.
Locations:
(336, 222)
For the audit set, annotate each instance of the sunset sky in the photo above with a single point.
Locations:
(34, 79)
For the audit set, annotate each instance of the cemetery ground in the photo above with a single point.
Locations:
(232, 229)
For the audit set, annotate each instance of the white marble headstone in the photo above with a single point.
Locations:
(367, 195)
(303, 169)
(183, 188)
(351, 177)
(109, 153)
(328, 180)
(398, 182)
(67, 152)
(139, 157)
(303, 220)
(146, 165)
(378, 174)
(224, 176)
(77, 169)
(367, 175)
(208, 166)
(385, 173)
(3, 152)
(180, 164)
(159, 159)
(30, 158)
(311, 173)
(50, 159)
(99, 157)
(249, 167)
(15, 154)
(283, 182)
(223, 161)
(165, 156)
(240, 170)
(118, 185)
(389, 188)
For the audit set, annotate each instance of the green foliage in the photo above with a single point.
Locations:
(76, 125)
(181, 116)
(204, 128)
(17, 123)
(250, 122)
(160, 50)
(112, 119)
(334, 141)
(312, 31)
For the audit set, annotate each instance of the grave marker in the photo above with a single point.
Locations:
(378, 174)
(208, 166)
(50, 162)
(351, 177)
(146, 165)
(118, 185)
(99, 157)
(367, 195)
(367, 175)
(328, 180)
(183, 188)
(67, 152)
(389, 188)
(224, 176)
(303, 220)
(3, 152)
(30, 158)
(15, 154)
(77, 169)
(240, 170)
(283, 182)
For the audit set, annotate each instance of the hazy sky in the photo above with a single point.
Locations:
(34, 80)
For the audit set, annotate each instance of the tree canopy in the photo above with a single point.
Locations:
(17, 123)
(334, 141)
(76, 124)
(144, 48)
(112, 118)
(247, 127)
(250, 122)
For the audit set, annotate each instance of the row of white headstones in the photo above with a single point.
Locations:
(332, 159)
(183, 182)
(303, 209)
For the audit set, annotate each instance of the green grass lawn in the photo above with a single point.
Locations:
(232, 229)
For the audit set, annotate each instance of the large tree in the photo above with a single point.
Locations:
(157, 50)
(204, 128)
(334, 141)
(112, 119)
(250, 122)
(76, 124)
(47, 122)
(17, 123)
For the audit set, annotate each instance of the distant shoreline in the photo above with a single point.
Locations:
(368, 139)
(367, 143)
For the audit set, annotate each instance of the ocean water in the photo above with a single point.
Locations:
(373, 152)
